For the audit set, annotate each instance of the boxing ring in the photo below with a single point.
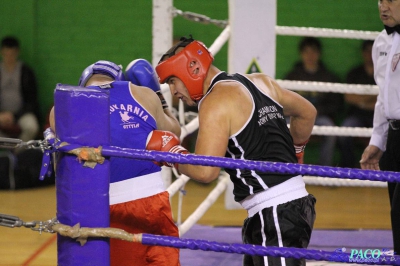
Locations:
(82, 188)
(319, 179)
(189, 127)
(82, 150)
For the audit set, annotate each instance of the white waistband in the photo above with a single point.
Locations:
(136, 188)
(289, 190)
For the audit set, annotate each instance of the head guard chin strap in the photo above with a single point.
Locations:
(189, 65)
(102, 67)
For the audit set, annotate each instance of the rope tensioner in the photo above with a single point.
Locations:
(40, 226)
(47, 147)
(10, 143)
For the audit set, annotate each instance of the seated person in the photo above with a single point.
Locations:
(311, 68)
(360, 112)
(19, 108)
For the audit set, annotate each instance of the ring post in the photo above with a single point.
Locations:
(252, 14)
(82, 117)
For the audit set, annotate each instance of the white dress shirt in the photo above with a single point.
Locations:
(386, 58)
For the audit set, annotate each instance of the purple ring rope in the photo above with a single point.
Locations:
(291, 168)
(274, 167)
(254, 250)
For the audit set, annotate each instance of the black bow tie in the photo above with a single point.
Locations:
(390, 30)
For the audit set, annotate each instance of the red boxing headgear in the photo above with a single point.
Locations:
(178, 65)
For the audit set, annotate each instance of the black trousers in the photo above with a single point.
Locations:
(288, 225)
(390, 161)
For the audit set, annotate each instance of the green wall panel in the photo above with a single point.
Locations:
(60, 38)
(73, 34)
(17, 19)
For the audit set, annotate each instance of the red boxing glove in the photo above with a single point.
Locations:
(299, 148)
(160, 140)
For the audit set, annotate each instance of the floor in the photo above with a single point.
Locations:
(326, 240)
(346, 217)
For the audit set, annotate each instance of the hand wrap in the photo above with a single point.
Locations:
(299, 148)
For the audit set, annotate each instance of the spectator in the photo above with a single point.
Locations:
(311, 68)
(360, 112)
(19, 108)
(19, 118)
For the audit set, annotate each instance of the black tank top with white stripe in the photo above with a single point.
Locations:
(265, 137)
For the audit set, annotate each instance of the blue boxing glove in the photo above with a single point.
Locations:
(102, 67)
(141, 73)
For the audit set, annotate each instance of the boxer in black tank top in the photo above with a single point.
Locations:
(266, 137)
(242, 117)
